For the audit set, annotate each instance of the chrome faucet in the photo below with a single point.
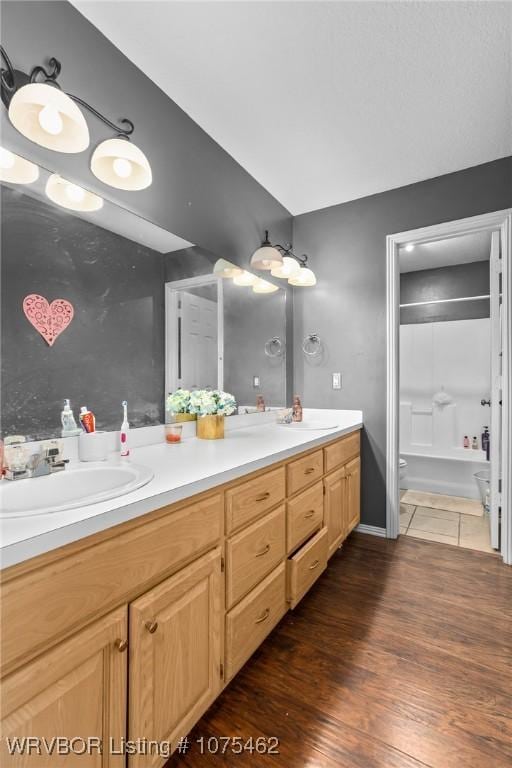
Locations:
(20, 465)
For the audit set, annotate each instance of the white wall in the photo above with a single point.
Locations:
(454, 355)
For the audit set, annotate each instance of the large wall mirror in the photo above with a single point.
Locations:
(119, 271)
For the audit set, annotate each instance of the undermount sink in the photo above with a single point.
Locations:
(310, 424)
(73, 487)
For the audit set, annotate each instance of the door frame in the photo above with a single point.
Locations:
(171, 325)
(495, 221)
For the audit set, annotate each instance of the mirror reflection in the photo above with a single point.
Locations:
(150, 312)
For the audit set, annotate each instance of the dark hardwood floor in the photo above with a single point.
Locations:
(399, 657)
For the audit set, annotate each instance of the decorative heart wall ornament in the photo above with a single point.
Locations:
(49, 319)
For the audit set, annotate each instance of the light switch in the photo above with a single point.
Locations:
(336, 381)
(255, 381)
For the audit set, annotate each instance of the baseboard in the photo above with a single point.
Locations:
(373, 530)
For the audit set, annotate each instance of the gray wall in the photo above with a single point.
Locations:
(199, 192)
(452, 282)
(347, 248)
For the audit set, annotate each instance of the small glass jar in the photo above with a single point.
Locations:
(173, 433)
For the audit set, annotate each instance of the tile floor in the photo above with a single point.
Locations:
(446, 527)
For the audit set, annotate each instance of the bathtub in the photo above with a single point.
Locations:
(449, 472)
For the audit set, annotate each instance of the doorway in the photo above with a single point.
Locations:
(429, 415)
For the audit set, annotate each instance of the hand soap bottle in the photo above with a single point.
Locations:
(67, 418)
(296, 409)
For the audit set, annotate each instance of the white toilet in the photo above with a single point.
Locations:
(403, 473)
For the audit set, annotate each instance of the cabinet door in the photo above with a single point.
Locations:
(76, 691)
(335, 506)
(175, 655)
(353, 470)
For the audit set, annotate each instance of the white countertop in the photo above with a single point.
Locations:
(180, 471)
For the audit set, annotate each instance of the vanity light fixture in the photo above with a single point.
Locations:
(46, 115)
(287, 269)
(291, 267)
(121, 164)
(266, 256)
(304, 278)
(69, 195)
(223, 268)
(246, 278)
(16, 169)
(263, 286)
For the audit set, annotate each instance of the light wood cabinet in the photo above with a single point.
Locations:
(253, 553)
(67, 666)
(249, 622)
(175, 654)
(304, 516)
(335, 508)
(353, 471)
(77, 690)
(304, 568)
(303, 472)
(250, 500)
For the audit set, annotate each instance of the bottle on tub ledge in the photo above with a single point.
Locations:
(296, 409)
(466, 441)
(474, 443)
(123, 434)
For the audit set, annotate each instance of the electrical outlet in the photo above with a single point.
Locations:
(255, 381)
(336, 381)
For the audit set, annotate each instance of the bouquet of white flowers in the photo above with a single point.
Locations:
(205, 402)
(178, 402)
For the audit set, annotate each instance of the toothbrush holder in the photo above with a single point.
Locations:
(93, 446)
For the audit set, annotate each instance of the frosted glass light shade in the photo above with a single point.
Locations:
(223, 268)
(263, 286)
(266, 257)
(16, 169)
(304, 277)
(48, 117)
(69, 195)
(287, 269)
(246, 278)
(121, 164)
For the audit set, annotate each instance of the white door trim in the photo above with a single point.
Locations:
(171, 330)
(488, 222)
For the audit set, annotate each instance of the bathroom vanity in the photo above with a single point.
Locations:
(132, 631)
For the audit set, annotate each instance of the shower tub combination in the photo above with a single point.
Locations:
(450, 472)
(434, 464)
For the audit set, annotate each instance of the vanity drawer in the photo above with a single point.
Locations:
(250, 500)
(304, 568)
(303, 472)
(305, 514)
(340, 452)
(248, 623)
(253, 553)
(42, 607)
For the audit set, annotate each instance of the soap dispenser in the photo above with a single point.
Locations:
(297, 409)
(69, 427)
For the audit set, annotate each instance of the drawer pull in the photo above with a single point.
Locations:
(264, 616)
(121, 645)
(263, 551)
(314, 565)
(263, 496)
(309, 514)
(309, 470)
(151, 626)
